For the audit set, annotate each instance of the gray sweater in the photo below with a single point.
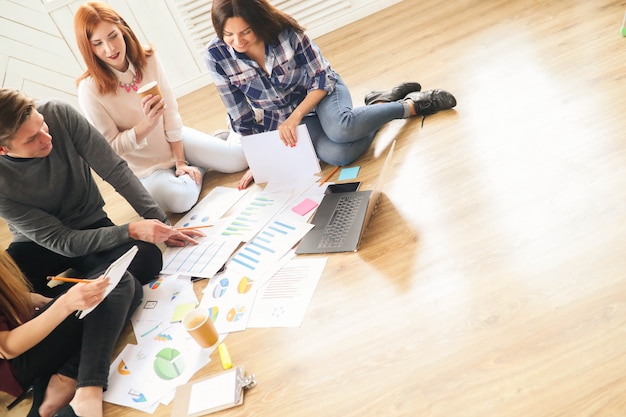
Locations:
(50, 200)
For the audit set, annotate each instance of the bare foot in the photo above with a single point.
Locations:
(88, 402)
(59, 393)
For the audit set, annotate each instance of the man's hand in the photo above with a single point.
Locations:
(184, 237)
(154, 231)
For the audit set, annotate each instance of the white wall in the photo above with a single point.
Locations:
(38, 53)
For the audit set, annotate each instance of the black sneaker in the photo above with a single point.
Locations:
(431, 101)
(396, 93)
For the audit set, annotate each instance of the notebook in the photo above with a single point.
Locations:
(114, 272)
(341, 218)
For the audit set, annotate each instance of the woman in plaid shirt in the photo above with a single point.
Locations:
(272, 76)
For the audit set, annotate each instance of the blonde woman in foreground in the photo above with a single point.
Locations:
(44, 345)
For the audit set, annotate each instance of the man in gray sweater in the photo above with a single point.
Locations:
(52, 204)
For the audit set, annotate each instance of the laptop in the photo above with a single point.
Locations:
(341, 218)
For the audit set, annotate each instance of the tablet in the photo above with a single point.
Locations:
(345, 187)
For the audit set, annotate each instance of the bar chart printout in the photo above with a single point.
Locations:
(269, 245)
(255, 214)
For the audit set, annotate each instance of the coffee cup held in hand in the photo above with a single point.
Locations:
(150, 88)
(200, 326)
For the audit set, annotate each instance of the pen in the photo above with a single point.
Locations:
(327, 177)
(66, 279)
(151, 330)
(193, 227)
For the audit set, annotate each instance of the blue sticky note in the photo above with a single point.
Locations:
(349, 173)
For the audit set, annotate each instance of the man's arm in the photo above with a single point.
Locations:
(95, 150)
(48, 231)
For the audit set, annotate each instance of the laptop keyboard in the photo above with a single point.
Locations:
(337, 228)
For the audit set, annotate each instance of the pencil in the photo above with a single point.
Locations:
(66, 279)
(327, 177)
(194, 227)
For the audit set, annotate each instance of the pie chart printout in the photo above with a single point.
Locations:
(169, 364)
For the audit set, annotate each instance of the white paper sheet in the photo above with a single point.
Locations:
(285, 298)
(270, 160)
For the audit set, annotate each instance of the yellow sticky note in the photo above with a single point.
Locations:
(227, 363)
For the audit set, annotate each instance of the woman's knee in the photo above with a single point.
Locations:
(337, 158)
(341, 129)
(342, 154)
(178, 205)
(177, 199)
(136, 289)
(235, 162)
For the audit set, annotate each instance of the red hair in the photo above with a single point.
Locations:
(87, 17)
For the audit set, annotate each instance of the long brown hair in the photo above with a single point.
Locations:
(87, 17)
(265, 20)
(15, 301)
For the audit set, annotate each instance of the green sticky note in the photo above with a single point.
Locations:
(180, 311)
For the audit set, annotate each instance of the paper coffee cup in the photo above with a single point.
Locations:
(200, 326)
(150, 88)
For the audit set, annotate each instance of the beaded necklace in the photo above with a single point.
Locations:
(133, 84)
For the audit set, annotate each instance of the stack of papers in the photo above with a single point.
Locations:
(254, 278)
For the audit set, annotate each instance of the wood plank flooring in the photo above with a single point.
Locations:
(491, 281)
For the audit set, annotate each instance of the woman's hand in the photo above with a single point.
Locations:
(245, 180)
(193, 172)
(85, 295)
(287, 130)
(153, 108)
(39, 300)
(80, 297)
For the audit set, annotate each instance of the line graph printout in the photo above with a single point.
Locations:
(285, 298)
(254, 215)
(201, 260)
(268, 246)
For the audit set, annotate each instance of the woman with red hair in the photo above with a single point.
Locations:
(170, 159)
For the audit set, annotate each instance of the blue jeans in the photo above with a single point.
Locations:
(340, 133)
(82, 349)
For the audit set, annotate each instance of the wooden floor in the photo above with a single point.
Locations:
(492, 280)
